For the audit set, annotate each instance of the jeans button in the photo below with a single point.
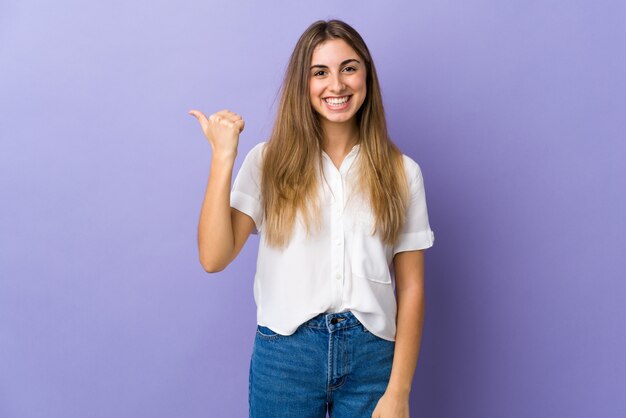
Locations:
(334, 321)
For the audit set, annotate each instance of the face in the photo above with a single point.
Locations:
(337, 83)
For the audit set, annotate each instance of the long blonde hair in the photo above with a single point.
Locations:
(292, 159)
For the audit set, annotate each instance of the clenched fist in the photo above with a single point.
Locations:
(222, 129)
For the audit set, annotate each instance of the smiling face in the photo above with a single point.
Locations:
(337, 83)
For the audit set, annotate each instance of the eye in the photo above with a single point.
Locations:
(350, 68)
(317, 73)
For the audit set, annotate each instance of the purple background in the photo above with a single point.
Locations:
(514, 110)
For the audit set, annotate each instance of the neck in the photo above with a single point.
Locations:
(340, 137)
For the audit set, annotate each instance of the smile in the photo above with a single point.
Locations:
(337, 103)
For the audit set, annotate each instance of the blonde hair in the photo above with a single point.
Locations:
(292, 159)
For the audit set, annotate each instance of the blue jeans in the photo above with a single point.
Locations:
(330, 363)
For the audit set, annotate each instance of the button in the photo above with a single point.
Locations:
(338, 243)
(338, 276)
(334, 321)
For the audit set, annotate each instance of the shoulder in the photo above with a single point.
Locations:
(257, 150)
(411, 168)
(256, 153)
(259, 147)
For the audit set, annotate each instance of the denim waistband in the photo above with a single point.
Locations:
(332, 321)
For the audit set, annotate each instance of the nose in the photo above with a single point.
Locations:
(336, 84)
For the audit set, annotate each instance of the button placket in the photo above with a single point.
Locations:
(337, 236)
(335, 181)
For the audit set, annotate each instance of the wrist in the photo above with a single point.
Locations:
(224, 157)
(221, 154)
(400, 392)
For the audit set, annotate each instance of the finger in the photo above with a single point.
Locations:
(204, 122)
(225, 118)
(226, 122)
(227, 114)
(196, 113)
(232, 119)
(224, 112)
(232, 116)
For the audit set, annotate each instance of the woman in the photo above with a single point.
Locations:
(340, 211)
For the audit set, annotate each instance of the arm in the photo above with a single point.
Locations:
(409, 269)
(222, 230)
(215, 232)
(409, 273)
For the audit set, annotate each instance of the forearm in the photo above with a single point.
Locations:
(410, 319)
(215, 231)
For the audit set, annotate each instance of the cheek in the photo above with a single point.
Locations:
(362, 84)
(314, 91)
(362, 87)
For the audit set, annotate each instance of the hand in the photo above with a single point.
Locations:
(222, 129)
(391, 406)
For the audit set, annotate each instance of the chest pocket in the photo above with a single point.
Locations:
(368, 251)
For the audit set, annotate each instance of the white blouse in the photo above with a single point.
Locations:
(340, 268)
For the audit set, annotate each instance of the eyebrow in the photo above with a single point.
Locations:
(342, 63)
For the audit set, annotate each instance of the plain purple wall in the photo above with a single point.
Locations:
(514, 110)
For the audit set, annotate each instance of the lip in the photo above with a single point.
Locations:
(339, 108)
(336, 97)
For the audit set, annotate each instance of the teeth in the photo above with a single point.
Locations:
(334, 101)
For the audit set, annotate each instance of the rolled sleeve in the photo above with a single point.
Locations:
(245, 194)
(416, 233)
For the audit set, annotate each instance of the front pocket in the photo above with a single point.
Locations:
(369, 260)
(265, 332)
(368, 256)
(382, 278)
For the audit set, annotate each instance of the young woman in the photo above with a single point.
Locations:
(342, 218)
